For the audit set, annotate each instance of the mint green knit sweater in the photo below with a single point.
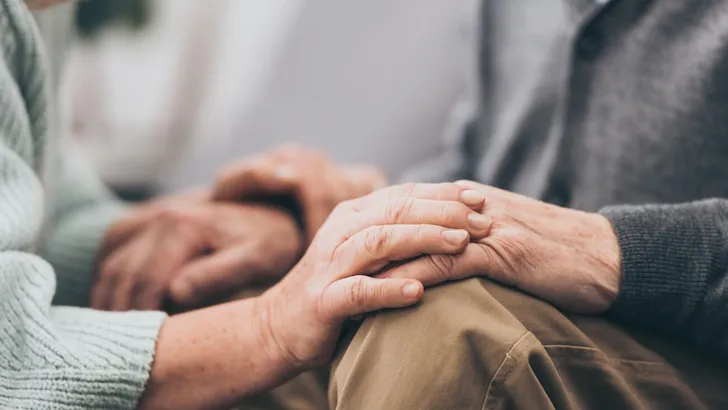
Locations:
(53, 213)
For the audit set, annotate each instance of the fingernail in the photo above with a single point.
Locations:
(479, 222)
(286, 172)
(455, 237)
(472, 198)
(411, 290)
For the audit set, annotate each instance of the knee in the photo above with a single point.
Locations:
(461, 314)
(459, 332)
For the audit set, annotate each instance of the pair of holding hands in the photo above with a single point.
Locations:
(197, 250)
(379, 251)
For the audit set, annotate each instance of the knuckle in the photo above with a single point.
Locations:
(356, 293)
(376, 241)
(396, 209)
(441, 265)
(454, 214)
(357, 205)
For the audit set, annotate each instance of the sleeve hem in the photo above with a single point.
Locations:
(670, 253)
(107, 363)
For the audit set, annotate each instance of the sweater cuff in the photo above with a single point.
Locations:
(72, 246)
(668, 254)
(108, 359)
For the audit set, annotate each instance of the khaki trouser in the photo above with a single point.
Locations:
(476, 345)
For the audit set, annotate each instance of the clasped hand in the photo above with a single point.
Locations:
(196, 249)
(302, 315)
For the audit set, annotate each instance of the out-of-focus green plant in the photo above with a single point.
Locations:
(92, 16)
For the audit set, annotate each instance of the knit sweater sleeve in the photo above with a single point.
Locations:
(675, 269)
(52, 357)
(81, 210)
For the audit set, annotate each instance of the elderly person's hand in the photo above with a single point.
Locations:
(567, 257)
(214, 357)
(139, 216)
(316, 183)
(194, 252)
(306, 309)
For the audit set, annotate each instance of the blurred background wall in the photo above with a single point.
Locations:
(210, 81)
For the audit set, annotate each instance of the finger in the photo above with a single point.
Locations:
(259, 177)
(434, 269)
(177, 244)
(372, 247)
(149, 296)
(321, 187)
(112, 272)
(105, 281)
(362, 294)
(122, 295)
(318, 200)
(325, 184)
(131, 270)
(474, 199)
(179, 248)
(215, 276)
(504, 198)
(126, 227)
(416, 211)
(467, 184)
(135, 220)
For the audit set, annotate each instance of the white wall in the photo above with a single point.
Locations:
(364, 80)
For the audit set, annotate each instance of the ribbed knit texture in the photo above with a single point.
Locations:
(55, 357)
(675, 277)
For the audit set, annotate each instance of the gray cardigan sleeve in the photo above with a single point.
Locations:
(675, 269)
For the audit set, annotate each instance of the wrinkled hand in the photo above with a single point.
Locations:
(137, 218)
(305, 311)
(196, 252)
(567, 257)
(314, 181)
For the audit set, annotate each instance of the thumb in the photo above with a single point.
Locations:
(215, 276)
(357, 295)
